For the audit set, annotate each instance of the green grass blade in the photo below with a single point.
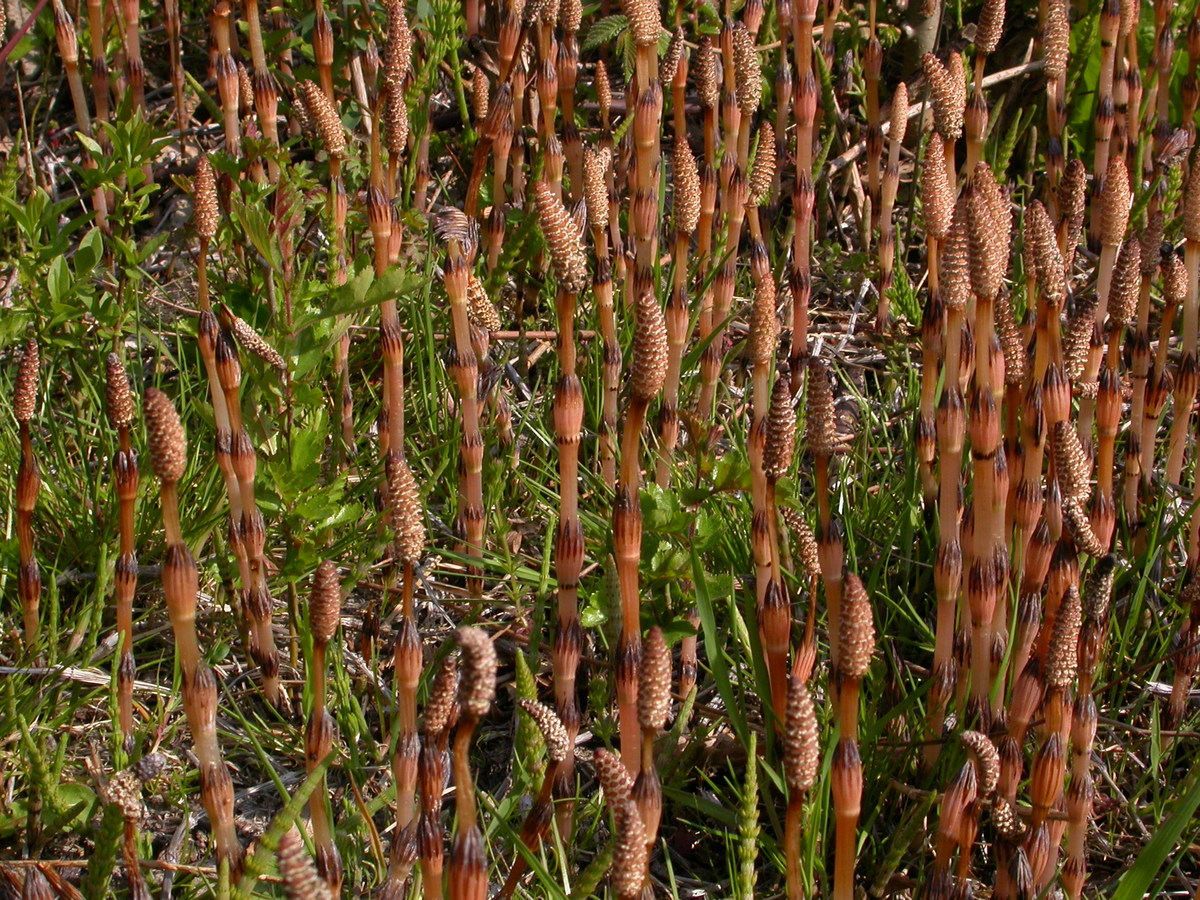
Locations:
(1135, 883)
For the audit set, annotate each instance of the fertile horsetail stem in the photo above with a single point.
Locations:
(29, 484)
(119, 407)
(167, 447)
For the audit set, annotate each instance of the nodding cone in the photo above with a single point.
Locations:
(899, 118)
(630, 854)
(686, 199)
(1063, 654)
(324, 117)
(164, 436)
(858, 629)
(654, 682)
(1056, 40)
(204, 190)
(1174, 279)
(764, 323)
(781, 431)
(986, 758)
(649, 368)
(480, 309)
(762, 175)
(806, 542)
(118, 398)
(596, 163)
(1077, 524)
(708, 74)
(1126, 284)
(956, 256)
(669, 64)
(1071, 463)
(26, 388)
(615, 780)
(477, 687)
(1115, 202)
(645, 23)
(819, 431)
(395, 119)
(254, 342)
(990, 26)
(1191, 205)
(440, 707)
(1011, 342)
(747, 70)
(563, 239)
(325, 602)
(948, 91)
(801, 745)
(558, 743)
(1097, 591)
(1008, 826)
(300, 878)
(603, 90)
(397, 52)
(480, 94)
(937, 200)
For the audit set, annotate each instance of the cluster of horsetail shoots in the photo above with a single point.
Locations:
(559, 749)
(257, 603)
(1046, 361)
(235, 454)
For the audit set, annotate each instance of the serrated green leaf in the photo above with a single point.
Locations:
(605, 31)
